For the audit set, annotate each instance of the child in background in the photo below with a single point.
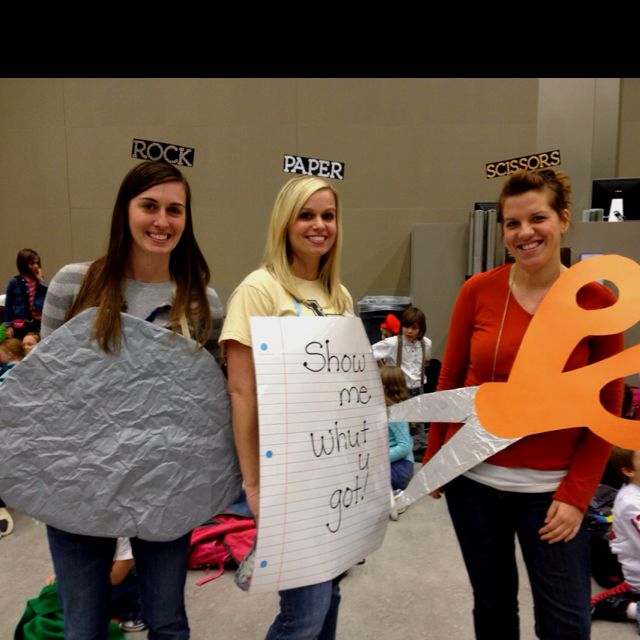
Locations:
(11, 352)
(411, 352)
(25, 296)
(620, 603)
(6, 521)
(3, 329)
(30, 341)
(389, 327)
(400, 445)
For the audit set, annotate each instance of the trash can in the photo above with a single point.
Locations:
(374, 309)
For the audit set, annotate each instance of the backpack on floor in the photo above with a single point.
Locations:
(223, 541)
(605, 568)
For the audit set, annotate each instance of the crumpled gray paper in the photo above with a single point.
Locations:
(471, 445)
(137, 443)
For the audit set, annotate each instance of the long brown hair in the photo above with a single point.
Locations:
(394, 384)
(101, 286)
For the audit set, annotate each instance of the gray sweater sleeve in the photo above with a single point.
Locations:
(63, 289)
(217, 316)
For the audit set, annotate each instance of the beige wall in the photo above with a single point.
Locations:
(434, 245)
(414, 150)
(629, 143)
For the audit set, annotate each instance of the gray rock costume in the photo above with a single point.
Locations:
(136, 443)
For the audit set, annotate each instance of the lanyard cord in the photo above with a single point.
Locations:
(504, 315)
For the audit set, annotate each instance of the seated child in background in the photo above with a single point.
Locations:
(621, 602)
(125, 596)
(3, 329)
(411, 352)
(30, 341)
(11, 352)
(400, 445)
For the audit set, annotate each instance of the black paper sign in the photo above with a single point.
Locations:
(163, 152)
(530, 163)
(313, 167)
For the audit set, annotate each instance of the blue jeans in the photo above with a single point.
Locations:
(401, 474)
(419, 435)
(308, 613)
(486, 521)
(83, 564)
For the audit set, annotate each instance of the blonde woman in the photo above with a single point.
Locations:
(299, 276)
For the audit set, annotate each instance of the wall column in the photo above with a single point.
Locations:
(581, 117)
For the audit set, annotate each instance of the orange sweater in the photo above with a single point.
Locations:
(468, 361)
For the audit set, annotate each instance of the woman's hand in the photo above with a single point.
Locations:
(437, 493)
(244, 408)
(253, 500)
(562, 522)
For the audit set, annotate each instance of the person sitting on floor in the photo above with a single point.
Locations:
(620, 603)
(11, 352)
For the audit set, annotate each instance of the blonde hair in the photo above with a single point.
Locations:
(289, 202)
(394, 384)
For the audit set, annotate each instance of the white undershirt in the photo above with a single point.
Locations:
(518, 479)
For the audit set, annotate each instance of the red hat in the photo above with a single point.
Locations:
(391, 323)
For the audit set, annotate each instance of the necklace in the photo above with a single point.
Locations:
(511, 280)
(504, 315)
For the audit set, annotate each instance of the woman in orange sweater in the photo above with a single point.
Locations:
(539, 487)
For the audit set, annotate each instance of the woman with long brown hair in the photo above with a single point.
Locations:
(153, 269)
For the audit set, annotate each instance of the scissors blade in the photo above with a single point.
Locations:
(454, 405)
(467, 448)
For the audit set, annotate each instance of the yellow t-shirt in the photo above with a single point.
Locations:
(260, 294)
